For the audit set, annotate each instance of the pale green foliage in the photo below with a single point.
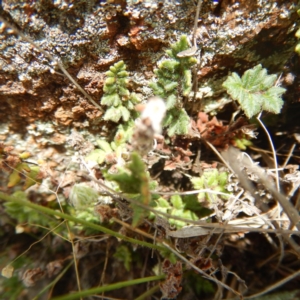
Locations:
(255, 91)
(30, 174)
(176, 207)
(124, 254)
(242, 143)
(26, 214)
(116, 96)
(212, 180)
(114, 151)
(174, 80)
(178, 121)
(134, 181)
(83, 196)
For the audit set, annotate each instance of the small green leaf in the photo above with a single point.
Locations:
(82, 196)
(123, 254)
(97, 156)
(255, 91)
(171, 86)
(125, 113)
(171, 102)
(124, 92)
(110, 81)
(113, 114)
(110, 74)
(187, 82)
(111, 100)
(14, 178)
(32, 177)
(104, 145)
(178, 122)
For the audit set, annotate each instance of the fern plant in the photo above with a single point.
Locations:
(174, 81)
(134, 181)
(115, 151)
(255, 91)
(117, 96)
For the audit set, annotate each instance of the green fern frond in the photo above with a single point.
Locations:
(177, 121)
(134, 180)
(174, 81)
(117, 96)
(255, 91)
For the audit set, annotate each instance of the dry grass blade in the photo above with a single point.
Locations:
(237, 162)
(275, 286)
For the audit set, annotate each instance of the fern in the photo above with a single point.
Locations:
(174, 81)
(255, 91)
(116, 95)
(134, 180)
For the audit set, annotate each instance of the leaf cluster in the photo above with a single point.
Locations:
(26, 214)
(134, 181)
(174, 80)
(114, 151)
(212, 180)
(116, 94)
(19, 169)
(255, 91)
(175, 207)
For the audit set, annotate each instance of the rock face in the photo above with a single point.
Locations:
(89, 36)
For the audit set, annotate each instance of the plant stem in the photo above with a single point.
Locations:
(52, 212)
(115, 286)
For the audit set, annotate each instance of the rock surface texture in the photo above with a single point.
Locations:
(89, 36)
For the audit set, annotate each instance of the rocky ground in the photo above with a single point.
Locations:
(57, 144)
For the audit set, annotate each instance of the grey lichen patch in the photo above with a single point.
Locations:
(237, 30)
(81, 34)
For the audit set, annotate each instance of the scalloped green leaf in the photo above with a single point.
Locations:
(255, 91)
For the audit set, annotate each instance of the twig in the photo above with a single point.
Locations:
(289, 155)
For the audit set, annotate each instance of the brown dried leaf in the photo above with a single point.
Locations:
(30, 277)
(170, 288)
